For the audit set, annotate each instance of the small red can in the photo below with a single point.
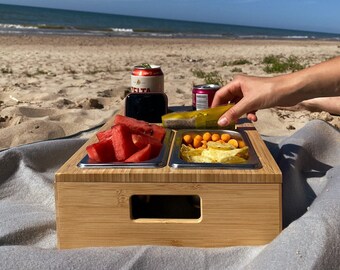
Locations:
(147, 78)
(203, 95)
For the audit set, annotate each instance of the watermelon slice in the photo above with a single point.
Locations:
(135, 125)
(141, 140)
(141, 127)
(128, 137)
(104, 135)
(141, 155)
(122, 142)
(101, 151)
(158, 132)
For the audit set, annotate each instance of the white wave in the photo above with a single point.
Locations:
(253, 36)
(274, 36)
(17, 26)
(299, 37)
(122, 30)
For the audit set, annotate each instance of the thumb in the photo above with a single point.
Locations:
(234, 113)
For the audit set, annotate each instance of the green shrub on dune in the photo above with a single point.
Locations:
(281, 64)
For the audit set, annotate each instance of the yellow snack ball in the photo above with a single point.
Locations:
(198, 137)
(215, 137)
(187, 139)
(233, 142)
(241, 144)
(225, 137)
(207, 136)
(197, 142)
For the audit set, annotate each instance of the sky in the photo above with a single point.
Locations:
(310, 15)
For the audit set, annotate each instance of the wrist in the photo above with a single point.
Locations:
(290, 89)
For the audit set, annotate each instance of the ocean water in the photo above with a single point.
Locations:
(45, 21)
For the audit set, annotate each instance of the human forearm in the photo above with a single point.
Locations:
(253, 93)
(321, 80)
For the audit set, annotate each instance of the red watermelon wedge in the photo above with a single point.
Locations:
(141, 127)
(104, 135)
(101, 151)
(141, 141)
(122, 142)
(141, 155)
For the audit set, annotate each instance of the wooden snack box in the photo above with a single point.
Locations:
(195, 207)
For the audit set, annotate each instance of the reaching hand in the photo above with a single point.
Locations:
(253, 93)
(248, 93)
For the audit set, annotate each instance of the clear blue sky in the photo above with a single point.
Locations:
(313, 15)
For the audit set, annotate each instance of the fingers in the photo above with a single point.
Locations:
(227, 117)
(231, 115)
(252, 116)
(226, 93)
(234, 92)
(236, 112)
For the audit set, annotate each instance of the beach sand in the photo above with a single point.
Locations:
(56, 86)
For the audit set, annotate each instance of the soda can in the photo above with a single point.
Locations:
(147, 79)
(203, 95)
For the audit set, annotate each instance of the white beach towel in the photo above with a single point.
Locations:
(309, 160)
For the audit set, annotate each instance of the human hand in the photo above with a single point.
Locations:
(253, 93)
(248, 93)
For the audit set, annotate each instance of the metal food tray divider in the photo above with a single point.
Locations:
(157, 162)
(253, 161)
(174, 158)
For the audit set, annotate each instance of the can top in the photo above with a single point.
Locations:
(147, 70)
(207, 87)
(147, 66)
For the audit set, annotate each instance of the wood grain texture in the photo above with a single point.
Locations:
(239, 207)
(98, 214)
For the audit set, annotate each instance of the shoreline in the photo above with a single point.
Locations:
(55, 86)
(117, 39)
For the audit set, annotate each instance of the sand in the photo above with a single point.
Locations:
(55, 86)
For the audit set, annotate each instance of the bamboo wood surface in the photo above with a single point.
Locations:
(99, 214)
(238, 207)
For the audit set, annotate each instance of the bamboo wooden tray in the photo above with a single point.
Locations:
(109, 206)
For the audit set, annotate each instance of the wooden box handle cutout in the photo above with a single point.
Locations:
(166, 208)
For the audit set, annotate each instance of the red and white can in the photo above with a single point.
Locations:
(146, 79)
(203, 95)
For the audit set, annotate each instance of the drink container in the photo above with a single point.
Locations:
(203, 95)
(147, 79)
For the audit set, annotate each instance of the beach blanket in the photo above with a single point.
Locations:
(310, 163)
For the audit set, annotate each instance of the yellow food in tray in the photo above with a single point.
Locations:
(216, 152)
(201, 119)
(212, 149)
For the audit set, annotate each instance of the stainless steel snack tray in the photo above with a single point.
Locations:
(158, 162)
(176, 161)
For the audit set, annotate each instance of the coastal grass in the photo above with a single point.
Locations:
(236, 70)
(237, 62)
(281, 64)
(212, 77)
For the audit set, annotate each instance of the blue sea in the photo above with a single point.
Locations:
(46, 21)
